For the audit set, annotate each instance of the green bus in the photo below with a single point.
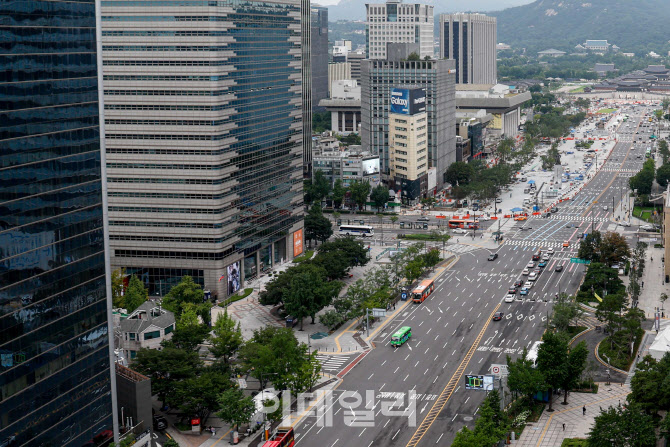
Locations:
(401, 336)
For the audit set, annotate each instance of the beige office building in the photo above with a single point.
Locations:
(408, 145)
(397, 22)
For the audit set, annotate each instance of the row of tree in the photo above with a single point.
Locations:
(319, 188)
(308, 287)
(380, 286)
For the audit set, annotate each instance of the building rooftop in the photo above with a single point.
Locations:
(656, 69)
(147, 315)
(551, 51)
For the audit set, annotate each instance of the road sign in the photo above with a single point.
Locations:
(479, 382)
(378, 312)
(242, 383)
(579, 261)
(499, 370)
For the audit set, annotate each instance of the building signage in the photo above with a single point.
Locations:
(406, 101)
(297, 243)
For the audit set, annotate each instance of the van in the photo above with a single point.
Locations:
(523, 179)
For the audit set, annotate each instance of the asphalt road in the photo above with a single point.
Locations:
(453, 333)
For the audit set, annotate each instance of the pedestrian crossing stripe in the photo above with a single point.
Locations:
(577, 218)
(332, 362)
(535, 244)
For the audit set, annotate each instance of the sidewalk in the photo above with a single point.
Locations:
(548, 431)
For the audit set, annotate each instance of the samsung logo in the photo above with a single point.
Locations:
(420, 100)
(398, 101)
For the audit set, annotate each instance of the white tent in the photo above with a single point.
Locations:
(661, 344)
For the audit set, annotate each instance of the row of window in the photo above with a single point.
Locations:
(164, 48)
(165, 33)
(165, 19)
(163, 78)
(179, 63)
(162, 107)
(166, 122)
(193, 240)
(173, 254)
(162, 195)
(135, 150)
(166, 166)
(178, 181)
(122, 136)
(146, 209)
(126, 223)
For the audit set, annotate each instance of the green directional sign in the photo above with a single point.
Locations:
(579, 261)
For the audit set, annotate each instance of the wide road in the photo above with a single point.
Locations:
(453, 332)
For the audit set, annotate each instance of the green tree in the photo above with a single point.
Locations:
(189, 332)
(307, 374)
(166, 368)
(320, 187)
(226, 338)
(665, 428)
(505, 149)
(339, 192)
(308, 191)
(317, 226)
(170, 443)
(359, 191)
(614, 249)
(187, 291)
(351, 250)
(643, 180)
(135, 295)
(566, 312)
(308, 293)
(459, 173)
(552, 361)
(609, 311)
(576, 365)
(589, 247)
(380, 196)
(524, 378)
(199, 395)
(663, 175)
(235, 408)
(118, 300)
(663, 150)
(490, 428)
(622, 426)
(413, 57)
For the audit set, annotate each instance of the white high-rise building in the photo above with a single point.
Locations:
(470, 39)
(397, 22)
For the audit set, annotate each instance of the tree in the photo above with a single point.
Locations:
(308, 293)
(589, 247)
(576, 364)
(490, 428)
(339, 192)
(170, 443)
(663, 174)
(118, 300)
(235, 408)
(552, 361)
(413, 57)
(614, 249)
(317, 226)
(320, 187)
(566, 311)
(349, 249)
(189, 332)
(135, 295)
(165, 368)
(609, 311)
(380, 196)
(523, 377)
(459, 173)
(663, 150)
(307, 375)
(393, 219)
(650, 387)
(199, 395)
(359, 192)
(643, 180)
(505, 149)
(626, 426)
(188, 291)
(665, 428)
(226, 338)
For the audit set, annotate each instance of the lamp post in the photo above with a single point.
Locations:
(266, 430)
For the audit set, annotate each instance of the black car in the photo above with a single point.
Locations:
(160, 423)
(512, 291)
(493, 256)
(498, 316)
(554, 210)
(559, 268)
(518, 284)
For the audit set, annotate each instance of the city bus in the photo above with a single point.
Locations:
(648, 153)
(284, 437)
(357, 230)
(423, 291)
(464, 223)
(401, 336)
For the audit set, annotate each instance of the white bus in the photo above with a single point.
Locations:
(357, 230)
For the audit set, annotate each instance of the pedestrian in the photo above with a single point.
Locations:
(563, 426)
(584, 410)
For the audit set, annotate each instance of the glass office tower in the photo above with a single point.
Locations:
(55, 377)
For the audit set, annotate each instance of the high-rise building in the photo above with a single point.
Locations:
(307, 86)
(354, 58)
(397, 22)
(470, 39)
(319, 55)
(379, 78)
(204, 137)
(337, 71)
(57, 383)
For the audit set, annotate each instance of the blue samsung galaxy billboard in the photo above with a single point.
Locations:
(408, 101)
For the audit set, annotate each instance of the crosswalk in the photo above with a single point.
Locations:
(575, 218)
(535, 244)
(461, 248)
(333, 362)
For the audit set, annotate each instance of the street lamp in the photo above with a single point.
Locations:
(265, 421)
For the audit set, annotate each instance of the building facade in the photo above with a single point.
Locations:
(354, 58)
(319, 55)
(398, 22)
(470, 39)
(145, 328)
(348, 166)
(307, 85)
(337, 71)
(344, 107)
(56, 378)
(204, 139)
(437, 78)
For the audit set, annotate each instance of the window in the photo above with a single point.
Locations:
(169, 329)
(133, 354)
(131, 336)
(151, 335)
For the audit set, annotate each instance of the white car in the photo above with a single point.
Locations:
(550, 251)
(623, 223)
(525, 272)
(530, 265)
(528, 285)
(532, 276)
(460, 231)
(509, 298)
(545, 258)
